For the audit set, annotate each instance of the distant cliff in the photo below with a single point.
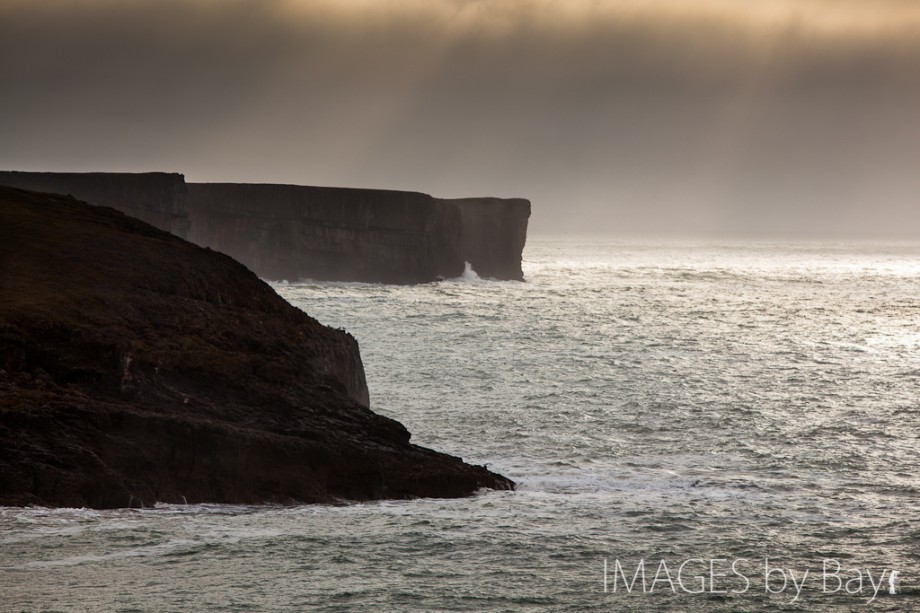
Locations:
(136, 367)
(155, 197)
(293, 232)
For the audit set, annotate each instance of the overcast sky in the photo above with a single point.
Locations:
(608, 114)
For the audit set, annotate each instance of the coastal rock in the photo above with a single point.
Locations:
(294, 232)
(136, 367)
(155, 197)
(342, 234)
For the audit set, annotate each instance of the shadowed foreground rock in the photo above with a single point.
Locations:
(139, 368)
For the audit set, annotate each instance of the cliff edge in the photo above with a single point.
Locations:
(136, 367)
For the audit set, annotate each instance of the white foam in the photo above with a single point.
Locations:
(468, 273)
(149, 551)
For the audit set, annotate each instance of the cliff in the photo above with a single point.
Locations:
(293, 232)
(155, 197)
(136, 367)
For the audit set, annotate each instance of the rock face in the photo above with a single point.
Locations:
(493, 235)
(136, 367)
(293, 232)
(155, 197)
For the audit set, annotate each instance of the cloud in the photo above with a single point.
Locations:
(798, 114)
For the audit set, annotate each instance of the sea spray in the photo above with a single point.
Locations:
(468, 273)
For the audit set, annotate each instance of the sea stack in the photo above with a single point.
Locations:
(136, 368)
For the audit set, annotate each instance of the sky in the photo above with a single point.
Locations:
(767, 116)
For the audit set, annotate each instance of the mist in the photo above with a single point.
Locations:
(624, 116)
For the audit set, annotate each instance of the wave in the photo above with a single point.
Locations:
(468, 273)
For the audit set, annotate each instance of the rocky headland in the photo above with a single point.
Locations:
(155, 197)
(329, 233)
(136, 368)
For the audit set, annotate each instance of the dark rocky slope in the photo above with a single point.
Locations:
(137, 368)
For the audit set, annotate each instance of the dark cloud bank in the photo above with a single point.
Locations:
(617, 115)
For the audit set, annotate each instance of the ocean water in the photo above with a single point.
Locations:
(739, 419)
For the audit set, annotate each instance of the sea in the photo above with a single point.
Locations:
(693, 425)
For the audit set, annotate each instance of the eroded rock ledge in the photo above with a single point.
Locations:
(136, 367)
(294, 232)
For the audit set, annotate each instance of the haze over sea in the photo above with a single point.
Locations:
(755, 403)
